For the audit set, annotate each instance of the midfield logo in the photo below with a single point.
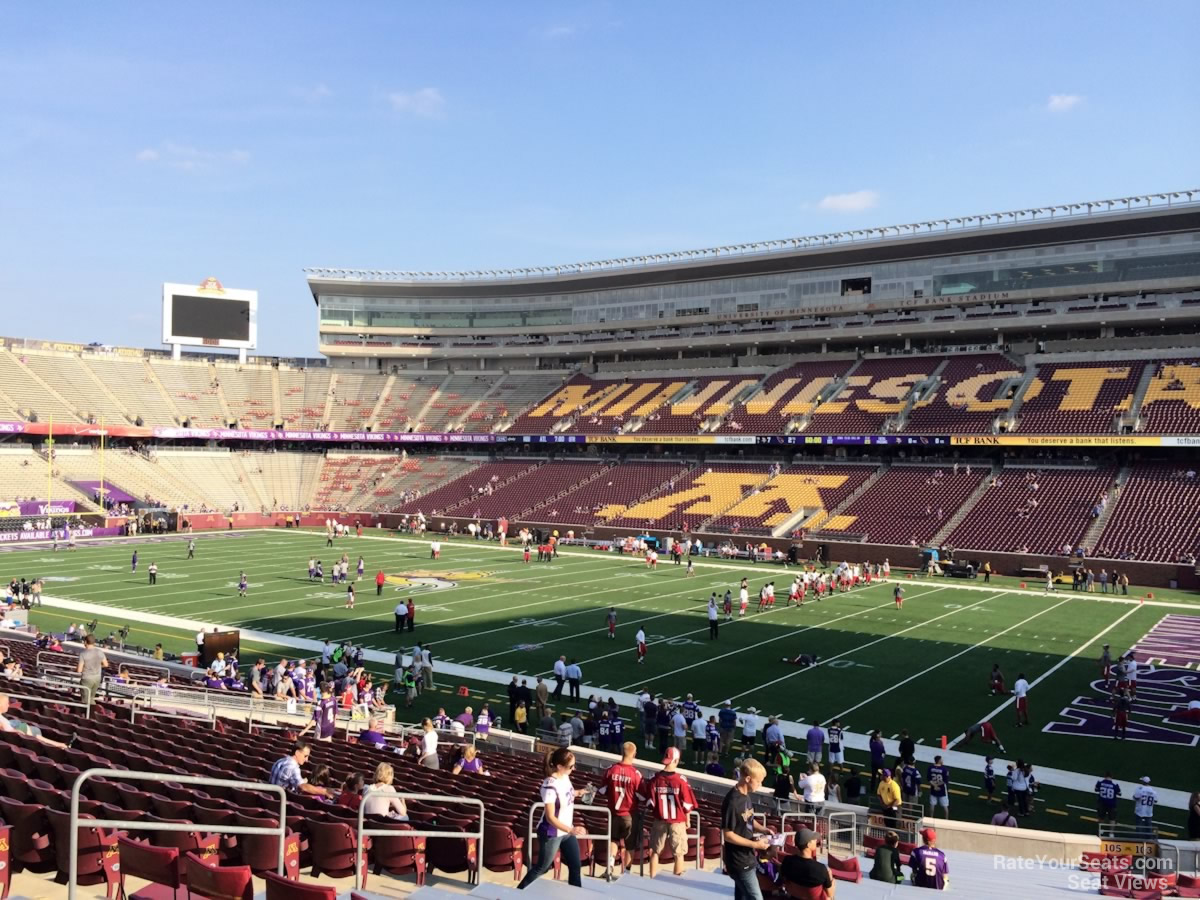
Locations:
(432, 581)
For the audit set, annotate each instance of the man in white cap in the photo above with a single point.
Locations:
(1144, 800)
(749, 730)
(671, 799)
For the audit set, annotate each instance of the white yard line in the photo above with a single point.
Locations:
(1054, 668)
(938, 665)
(752, 647)
(878, 640)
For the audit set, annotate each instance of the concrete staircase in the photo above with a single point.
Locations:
(961, 513)
(919, 391)
(276, 400)
(1134, 413)
(1014, 410)
(1092, 535)
(829, 392)
(803, 515)
(474, 406)
(226, 413)
(384, 396)
(158, 385)
(41, 381)
(327, 414)
(437, 392)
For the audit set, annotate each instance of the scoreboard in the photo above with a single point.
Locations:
(210, 315)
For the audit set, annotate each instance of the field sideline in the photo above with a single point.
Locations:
(923, 668)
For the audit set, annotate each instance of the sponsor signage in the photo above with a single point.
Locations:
(7, 537)
(1060, 440)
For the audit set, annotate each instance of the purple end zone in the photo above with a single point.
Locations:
(1174, 641)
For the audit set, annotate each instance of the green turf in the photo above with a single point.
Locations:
(923, 667)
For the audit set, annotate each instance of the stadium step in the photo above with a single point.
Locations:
(961, 513)
(384, 396)
(225, 411)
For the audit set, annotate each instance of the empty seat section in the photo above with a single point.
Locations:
(302, 397)
(30, 397)
(784, 396)
(512, 396)
(704, 492)
(354, 398)
(453, 398)
(402, 404)
(972, 391)
(477, 483)
(1078, 398)
(134, 386)
(908, 504)
(1157, 515)
(382, 482)
(876, 391)
(192, 389)
(704, 398)
(68, 376)
(1172, 401)
(622, 486)
(249, 394)
(808, 489)
(1033, 511)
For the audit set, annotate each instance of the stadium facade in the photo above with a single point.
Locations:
(1040, 273)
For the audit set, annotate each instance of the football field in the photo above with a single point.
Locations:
(924, 667)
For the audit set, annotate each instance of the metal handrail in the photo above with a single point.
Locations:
(139, 825)
(413, 832)
(606, 836)
(850, 827)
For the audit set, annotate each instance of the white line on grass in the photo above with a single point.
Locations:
(937, 665)
(879, 640)
(789, 634)
(1054, 668)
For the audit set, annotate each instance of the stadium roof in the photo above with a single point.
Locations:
(1133, 216)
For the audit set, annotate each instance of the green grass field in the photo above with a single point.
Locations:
(923, 668)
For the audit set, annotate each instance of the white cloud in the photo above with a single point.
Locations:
(556, 32)
(186, 158)
(856, 201)
(427, 103)
(316, 93)
(1060, 103)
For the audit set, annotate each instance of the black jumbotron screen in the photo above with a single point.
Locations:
(210, 318)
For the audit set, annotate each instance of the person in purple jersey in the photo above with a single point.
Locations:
(910, 782)
(938, 777)
(816, 742)
(691, 709)
(324, 718)
(928, 863)
(133, 563)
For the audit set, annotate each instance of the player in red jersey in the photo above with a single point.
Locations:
(620, 792)
(996, 681)
(672, 800)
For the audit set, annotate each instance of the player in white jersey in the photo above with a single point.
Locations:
(743, 599)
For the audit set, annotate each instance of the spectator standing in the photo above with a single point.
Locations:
(889, 798)
(785, 790)
(878, 757)
(813, 786)
(401, 612)
(1107, 794)
(928, 863)
(749, 730)
(816, 743)
(557, 832)
(727, 720)
(741, 830)
(429, 745)
(1193, 819)
(773, 739)
(542, 692)
(620, 791)
(679, 731)
(713, 617)
(574, 679)
(1144, 800)
(560, 677)
(380, 579)
(1020, 787)
(90, 667)
(672, 800)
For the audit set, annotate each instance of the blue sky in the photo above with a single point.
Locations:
(150, 142)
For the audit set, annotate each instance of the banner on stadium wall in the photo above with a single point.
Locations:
(8, 537)
(1059, 440)
(80, 429)
(39, 508)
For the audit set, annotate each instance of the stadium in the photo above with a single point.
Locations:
(992, 418)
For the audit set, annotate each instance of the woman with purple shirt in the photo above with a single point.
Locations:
(557, 832)
(878, 758)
